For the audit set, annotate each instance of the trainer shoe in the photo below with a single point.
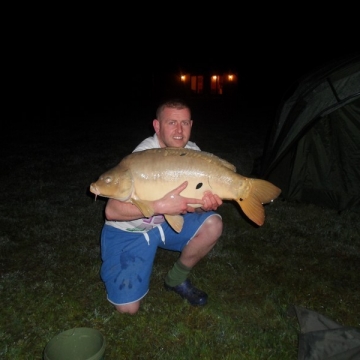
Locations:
(189, 292)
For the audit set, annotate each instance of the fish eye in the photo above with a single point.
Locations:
(199, 185)
(107, 179)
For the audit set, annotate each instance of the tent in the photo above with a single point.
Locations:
(313, 150)
(322, 338)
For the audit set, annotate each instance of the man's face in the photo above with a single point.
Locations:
(173, 129)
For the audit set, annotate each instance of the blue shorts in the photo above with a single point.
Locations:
(127, 257)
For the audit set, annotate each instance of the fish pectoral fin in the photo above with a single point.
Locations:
(144, 206)
(253, 209)
(175, 221)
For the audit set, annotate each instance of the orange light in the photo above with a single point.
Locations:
(183, 77)
(231, 77)
(214, 77)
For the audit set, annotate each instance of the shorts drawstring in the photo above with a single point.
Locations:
(162, 235)
(161, 231)
(147, 238)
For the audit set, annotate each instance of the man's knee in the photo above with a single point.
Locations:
(128, 308)
(214, 226)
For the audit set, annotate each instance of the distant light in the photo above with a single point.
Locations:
(214, 77)
(231, 77)
(183, 77)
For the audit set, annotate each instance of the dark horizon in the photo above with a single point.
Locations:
(107, 82)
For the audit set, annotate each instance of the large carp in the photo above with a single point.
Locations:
(148, 175)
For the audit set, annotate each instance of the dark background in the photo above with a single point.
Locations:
(71, 63)
(81, 78)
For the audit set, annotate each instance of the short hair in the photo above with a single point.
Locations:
(175, 103)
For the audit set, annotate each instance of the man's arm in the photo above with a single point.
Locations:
(172, 204)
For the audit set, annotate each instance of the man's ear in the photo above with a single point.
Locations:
(156, 125)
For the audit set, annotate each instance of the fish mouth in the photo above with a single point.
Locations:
(94, 189)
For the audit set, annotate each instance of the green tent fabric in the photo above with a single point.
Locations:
(313, 150)
(321, 338)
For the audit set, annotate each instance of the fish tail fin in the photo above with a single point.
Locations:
(253, 209)
(262, 192)
(265, 191)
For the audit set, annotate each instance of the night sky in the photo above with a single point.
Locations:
(91, 74)
(82, 54)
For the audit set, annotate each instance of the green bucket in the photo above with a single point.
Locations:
(76, 344)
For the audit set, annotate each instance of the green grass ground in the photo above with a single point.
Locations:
(50, 225)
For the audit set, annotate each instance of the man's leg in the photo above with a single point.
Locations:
(198, 247)
(127, 260)
(128, 308)
(201, 244)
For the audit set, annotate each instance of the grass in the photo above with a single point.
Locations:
(50, 225)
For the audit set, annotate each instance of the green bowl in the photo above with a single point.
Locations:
(76, 344)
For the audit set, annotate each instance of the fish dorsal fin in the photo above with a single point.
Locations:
(209, 157)
(144, 206)
(175, 221)
(228, 165)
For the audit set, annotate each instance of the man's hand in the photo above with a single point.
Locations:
(173, 203)
(211, 201)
